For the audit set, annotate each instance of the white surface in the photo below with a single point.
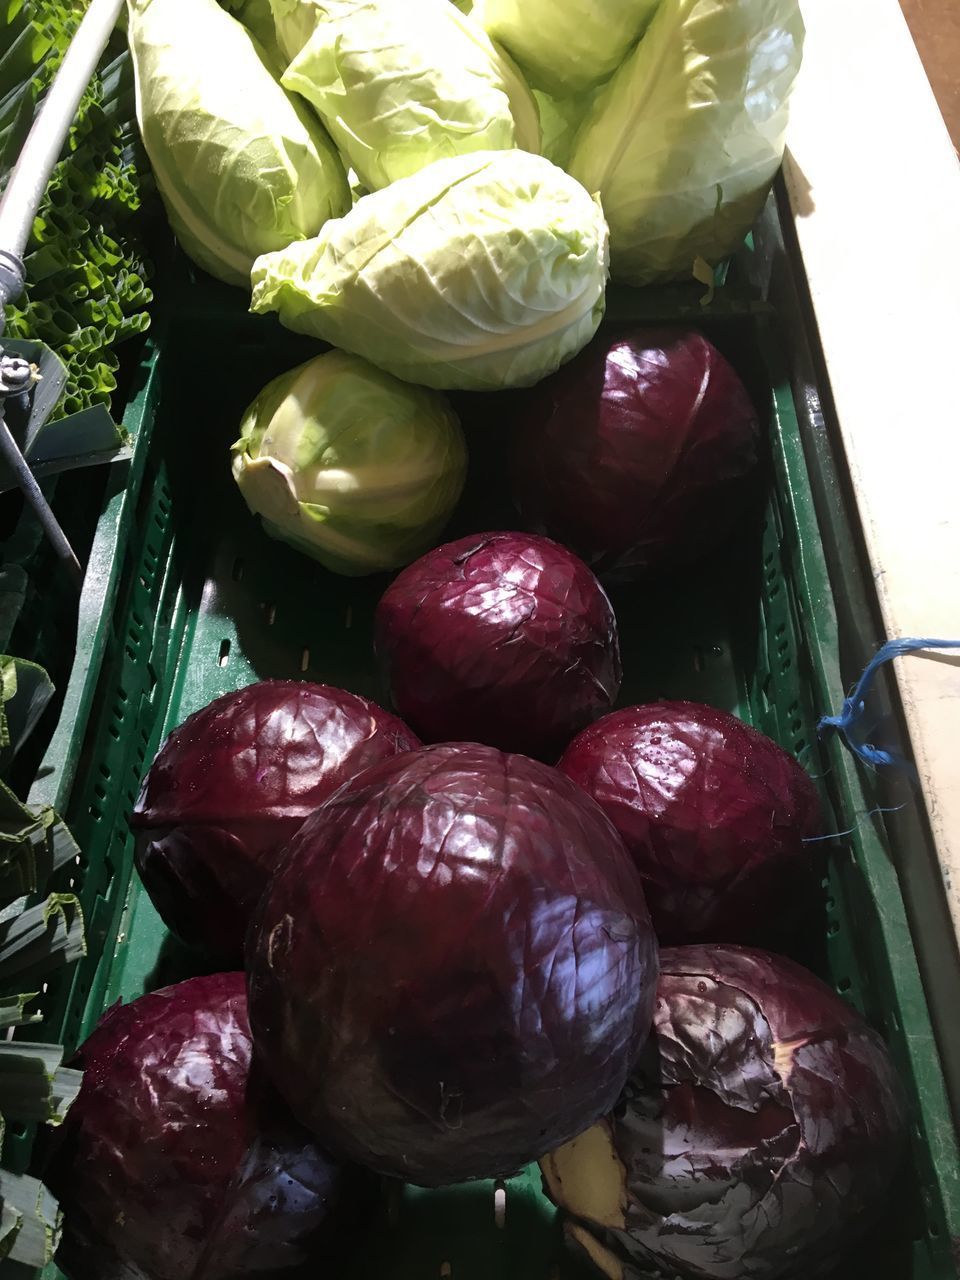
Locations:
(875, 186)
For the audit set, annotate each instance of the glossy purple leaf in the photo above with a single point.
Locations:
(758, 1137)
(713, 812)
(230, 787)
(454, 969)
(501, 638)
(640, 454)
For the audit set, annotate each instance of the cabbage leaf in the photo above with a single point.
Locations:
(565, 46)
(241, 165)
(480, 272)
(401, 83)
(352, 466)
(684, 140)
(560, 118)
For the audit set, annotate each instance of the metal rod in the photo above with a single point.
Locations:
(28, 181)
(34, 495)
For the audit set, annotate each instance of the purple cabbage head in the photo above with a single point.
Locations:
(229, 788)
(756, 1140)
(714, 814)
(453, 970)
(639, 454)
(501, 638)
(178, 1162)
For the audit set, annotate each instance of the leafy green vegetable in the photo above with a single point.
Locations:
(683, 142)
(559, 120)
(565, 46)
(27, 689)
(34, 36)
(242, 167)
(51, 443)
(86, 286)
(30, 1221)
(480, 272)
(350, 465)
(34, 1085)
(294, 22)
(35, 941)
(257, 17)
(400, 83)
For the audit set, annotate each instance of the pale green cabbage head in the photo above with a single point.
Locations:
(565, 46)
(683, 142)
(481, 272)
(401, 83)
(257, 17)
(242, 167)
(560, 118)
(349, 465)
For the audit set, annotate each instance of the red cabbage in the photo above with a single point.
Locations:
(177, 1161)
(501, 638)
(758, 1137)
(230, 787)
(453, 970)
(640, 454)
(713, 812)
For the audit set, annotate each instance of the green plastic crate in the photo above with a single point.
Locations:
(205, 603)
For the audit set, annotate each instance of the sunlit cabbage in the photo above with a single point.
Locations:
(480, 272)
(565, 46)
(357, 189)
(257, 17)
(400, 83)
(242, 167)
(559, 120)
(353, 467)
(683, 142)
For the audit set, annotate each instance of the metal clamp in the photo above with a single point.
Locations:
(12, 280)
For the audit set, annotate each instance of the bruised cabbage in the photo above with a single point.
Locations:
(758, 1136)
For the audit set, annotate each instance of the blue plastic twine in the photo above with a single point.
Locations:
(850, 722)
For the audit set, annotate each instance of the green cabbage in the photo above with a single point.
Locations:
(400, 83)
(242, 167)
(480, 272)
(683, 142)
(565, 46)
(257, 17)
(295, 21)
(357, 469)
(559, 120)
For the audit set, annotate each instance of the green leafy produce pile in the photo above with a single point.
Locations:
(38, 935)
(86, 268)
